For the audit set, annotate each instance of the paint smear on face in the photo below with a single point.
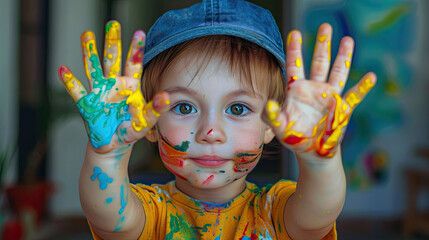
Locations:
(171, 154)
(208, 180)
(243, 159)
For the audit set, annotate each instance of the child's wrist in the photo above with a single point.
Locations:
(115, 153)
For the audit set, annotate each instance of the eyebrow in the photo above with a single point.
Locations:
(188, 91)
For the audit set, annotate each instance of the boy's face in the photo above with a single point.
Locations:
(213, 133)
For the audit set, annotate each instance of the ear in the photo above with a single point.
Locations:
(269, 135)
(152, 135)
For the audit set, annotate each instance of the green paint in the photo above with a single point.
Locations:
(102, 118)
(181, 228)
(183, 147)
(245, 154)
(222, 171)
(108, 26)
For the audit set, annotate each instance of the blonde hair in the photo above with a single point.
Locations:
(254, 65)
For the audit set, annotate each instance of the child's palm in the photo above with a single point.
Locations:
(114, 100)
(315, 115)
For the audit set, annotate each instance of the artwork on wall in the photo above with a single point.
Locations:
(384, 32)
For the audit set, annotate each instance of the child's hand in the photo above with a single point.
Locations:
(315, 115)
(114, 101)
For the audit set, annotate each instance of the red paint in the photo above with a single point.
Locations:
(211, 130)
(137, 57)
(293, 140)
(208, 180)
(244, 232)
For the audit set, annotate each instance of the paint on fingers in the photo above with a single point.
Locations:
(273, 112)
(113, 41)
(293, 138)
(137, 101)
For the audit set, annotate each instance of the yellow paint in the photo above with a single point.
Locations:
(68, 81)
(136, 99)
(347, 64)
(340, 120)
(289, 38)
(322, 38)
(150, 106)
(167, 102)
(113, 37)
(289, 132)
(298, 62)
(366, 86)
(273, 111)
(344, 107)
(353, 99)
(324, 95)
(329, 50)
(109, 56)
(300, 196)
(137, 75)
(350, 55)
(341, 83)
(294, 77)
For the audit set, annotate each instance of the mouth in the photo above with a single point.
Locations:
(209, 161)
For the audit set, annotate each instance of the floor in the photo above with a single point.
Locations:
(77, 229)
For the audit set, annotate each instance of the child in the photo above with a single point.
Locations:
(215, 74)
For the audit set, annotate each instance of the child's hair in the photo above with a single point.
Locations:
(253, 64)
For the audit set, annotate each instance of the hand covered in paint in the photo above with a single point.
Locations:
(114, 110)
(315, 116)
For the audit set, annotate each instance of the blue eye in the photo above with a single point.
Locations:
(237, 109)
(184, 108)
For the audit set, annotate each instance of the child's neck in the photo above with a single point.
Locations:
(218, 195)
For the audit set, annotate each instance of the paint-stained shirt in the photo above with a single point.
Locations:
(257, 213)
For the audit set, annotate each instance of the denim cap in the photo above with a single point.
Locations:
(215, 17)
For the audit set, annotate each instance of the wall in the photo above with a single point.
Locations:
(408, 130)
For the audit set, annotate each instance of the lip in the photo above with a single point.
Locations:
(209, 161)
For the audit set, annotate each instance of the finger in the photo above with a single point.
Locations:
(112, 49)
(341, 68)
(90, 58)
(357, 93)
(134, 62)
(294, 63)
(144, 116)
(322, 54)
(339, 115)
(74, 87)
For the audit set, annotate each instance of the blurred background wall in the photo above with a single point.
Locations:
(388, 133)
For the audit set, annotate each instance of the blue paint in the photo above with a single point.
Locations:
(102, 177)
(102, 118)
(119, 224)
(218, 237)
(123, 203)
(109, 200)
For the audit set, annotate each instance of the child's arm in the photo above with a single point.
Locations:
(312, 124)
(116, 116)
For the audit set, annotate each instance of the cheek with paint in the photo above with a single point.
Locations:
(172, 155)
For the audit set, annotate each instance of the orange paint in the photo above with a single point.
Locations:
(169, 154)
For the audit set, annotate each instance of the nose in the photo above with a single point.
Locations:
(210, 132)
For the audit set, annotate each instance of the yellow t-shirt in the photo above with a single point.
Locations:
(257, 213)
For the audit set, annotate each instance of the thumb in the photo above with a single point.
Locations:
(273, 117)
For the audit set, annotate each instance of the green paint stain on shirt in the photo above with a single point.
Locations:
(181, 228)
